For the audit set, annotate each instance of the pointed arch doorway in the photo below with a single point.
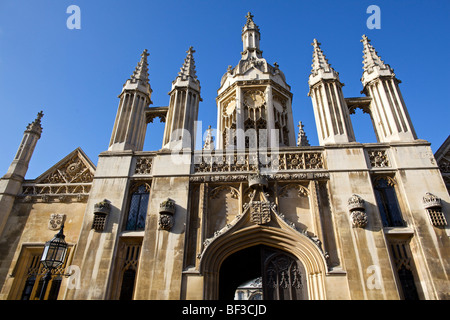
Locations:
(262, 272)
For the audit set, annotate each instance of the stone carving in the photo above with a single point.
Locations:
(55, 190)
(431, 201)
(378, 158)
(359, 219)
(56, 221)
(260, 211)
(302, 140)
(103, 207)
(357, 211)
(73, 171)
(267, 161)
(214, 194)
(143, 165)
(101, 212)
(356, 202)
(277, 177)
(257, 180)
(259, 205)
(156, 112)
(165, 221)
(294, 161)
(302, 191)
(217, 233)
(166, 212)
(433, 205)
(64, 182)
(259, 64)
(209, 140)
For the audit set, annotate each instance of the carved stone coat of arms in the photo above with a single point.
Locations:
(56, 220)
(260, 212)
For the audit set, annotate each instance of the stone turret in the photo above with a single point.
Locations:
(11, 182)
(130, 125)
(183, 108)
(388, 110)
(254, 101)
(302, 139)
(330, 110)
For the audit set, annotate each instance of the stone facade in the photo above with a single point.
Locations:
(342, 220)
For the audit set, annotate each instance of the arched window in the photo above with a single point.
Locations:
(138, 208)
(128, 261)
(31, 281)
(391, 216)
(401, 254)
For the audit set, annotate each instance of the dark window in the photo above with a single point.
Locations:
(404, 264)
(54, 289)
(35, 280)
(138, 209)
(407, 282)
(388, 203)
(128, 264)
(29, 284)
(126, 291)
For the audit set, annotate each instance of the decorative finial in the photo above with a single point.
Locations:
(209, 140)
(319, 61)
(40, 115)
(188, 67)
(364, 39)
(315, 43)
(302, 140)
(371, 58)
(141, 70)
(190, 50)
(35, 126)
(250, 24)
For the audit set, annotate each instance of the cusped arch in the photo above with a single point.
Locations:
(291, 241)
(302, 190)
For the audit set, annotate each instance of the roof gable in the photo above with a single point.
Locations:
(76, 167)
(444, 150)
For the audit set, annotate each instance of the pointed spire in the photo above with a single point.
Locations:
(188, 68)
(35, 126)
(302, 140)
(373, 66)
(250, 24)
(371, 57)
(141, 71)
(209, 140)
(250, 40)
(320, 66)
(319, 60)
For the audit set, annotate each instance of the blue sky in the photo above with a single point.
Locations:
(74, 76)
